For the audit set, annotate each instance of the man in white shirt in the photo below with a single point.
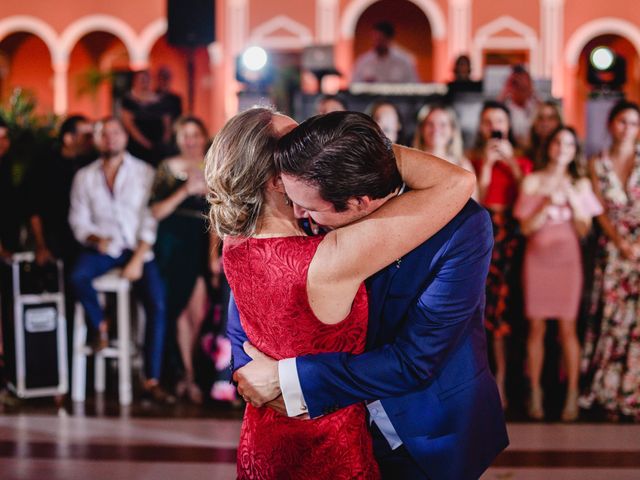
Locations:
(384, 63)
(110, 216)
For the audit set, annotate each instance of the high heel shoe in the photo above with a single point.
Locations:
(536, 409)
(189, 389)
(570, 411)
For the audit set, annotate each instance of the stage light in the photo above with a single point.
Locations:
(254, 58)
(606, 70)
(602, 58)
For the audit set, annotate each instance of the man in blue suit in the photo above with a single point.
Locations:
(434, 407)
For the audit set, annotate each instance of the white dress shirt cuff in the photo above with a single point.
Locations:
(290, 387)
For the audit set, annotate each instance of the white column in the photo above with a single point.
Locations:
(215, 54)
(60, 79)
(237, 25)
(551, 22)
(326, 21)
(459, 27)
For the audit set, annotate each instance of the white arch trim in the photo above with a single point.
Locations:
(263, 34)
(356, 8)
(102, 23)
(35, 26)
(594, 28)
(150, 35)
(526, 39)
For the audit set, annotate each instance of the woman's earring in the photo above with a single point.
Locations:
(287, 200)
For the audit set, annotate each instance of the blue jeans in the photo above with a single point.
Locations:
(91, 264)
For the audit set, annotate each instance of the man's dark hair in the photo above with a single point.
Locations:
(70, 125)
(3, 123)
(344, 154)
(386, 28)
(620, 107)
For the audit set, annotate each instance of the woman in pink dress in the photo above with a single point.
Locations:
(555, 208)
(301, 295)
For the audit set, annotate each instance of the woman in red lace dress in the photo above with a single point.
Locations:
(300, 295)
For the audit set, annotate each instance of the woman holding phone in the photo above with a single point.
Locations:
(499, 168)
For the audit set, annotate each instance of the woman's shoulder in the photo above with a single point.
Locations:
(582, 184)
(531, 183)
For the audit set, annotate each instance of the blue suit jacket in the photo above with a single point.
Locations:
(426, 355)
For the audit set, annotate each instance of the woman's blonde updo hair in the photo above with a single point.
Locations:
(237, 167)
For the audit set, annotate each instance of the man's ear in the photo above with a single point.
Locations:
(360, 203)
(275, 184)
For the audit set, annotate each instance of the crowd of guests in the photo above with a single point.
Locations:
(566, 234)
(565, 240)
(98, 206)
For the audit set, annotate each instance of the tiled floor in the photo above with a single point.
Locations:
(66, 446)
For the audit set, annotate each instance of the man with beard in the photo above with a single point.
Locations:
(385, 62)
(110, 216)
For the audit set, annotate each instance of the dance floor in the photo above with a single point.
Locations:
(66, 444)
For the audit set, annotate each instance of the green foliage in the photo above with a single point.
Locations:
(32, 135)
(89, 81)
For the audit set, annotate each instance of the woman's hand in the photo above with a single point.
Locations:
(492, 153)
(196, 184)
(43, 255)
(505, 150)
(215, 266)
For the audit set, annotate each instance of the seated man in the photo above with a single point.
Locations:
(110, 216)
(384, 63)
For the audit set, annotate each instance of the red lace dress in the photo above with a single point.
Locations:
(268, 278)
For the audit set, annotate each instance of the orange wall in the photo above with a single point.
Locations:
(61, 13)
(30, 69)
(302, 11)
(216, 87)
(81, 62)
(579, 12)
(485, 11)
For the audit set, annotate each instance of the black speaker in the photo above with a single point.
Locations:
(191, 23)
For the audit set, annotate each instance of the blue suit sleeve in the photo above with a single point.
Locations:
(237, 336)
(433, 328)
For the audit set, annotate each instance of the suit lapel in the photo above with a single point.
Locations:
(378, 286)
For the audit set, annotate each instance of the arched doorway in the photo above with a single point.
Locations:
(413, 32)
(591, 113)
(26, 64)
(95, 62)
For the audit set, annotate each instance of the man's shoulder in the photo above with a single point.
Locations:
(471, 217)
(472, 222)
(139, 164)
(398, 53)
(88, 169)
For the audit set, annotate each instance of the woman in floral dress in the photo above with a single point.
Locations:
(612, 345)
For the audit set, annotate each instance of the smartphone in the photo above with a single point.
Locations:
(496, 134)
